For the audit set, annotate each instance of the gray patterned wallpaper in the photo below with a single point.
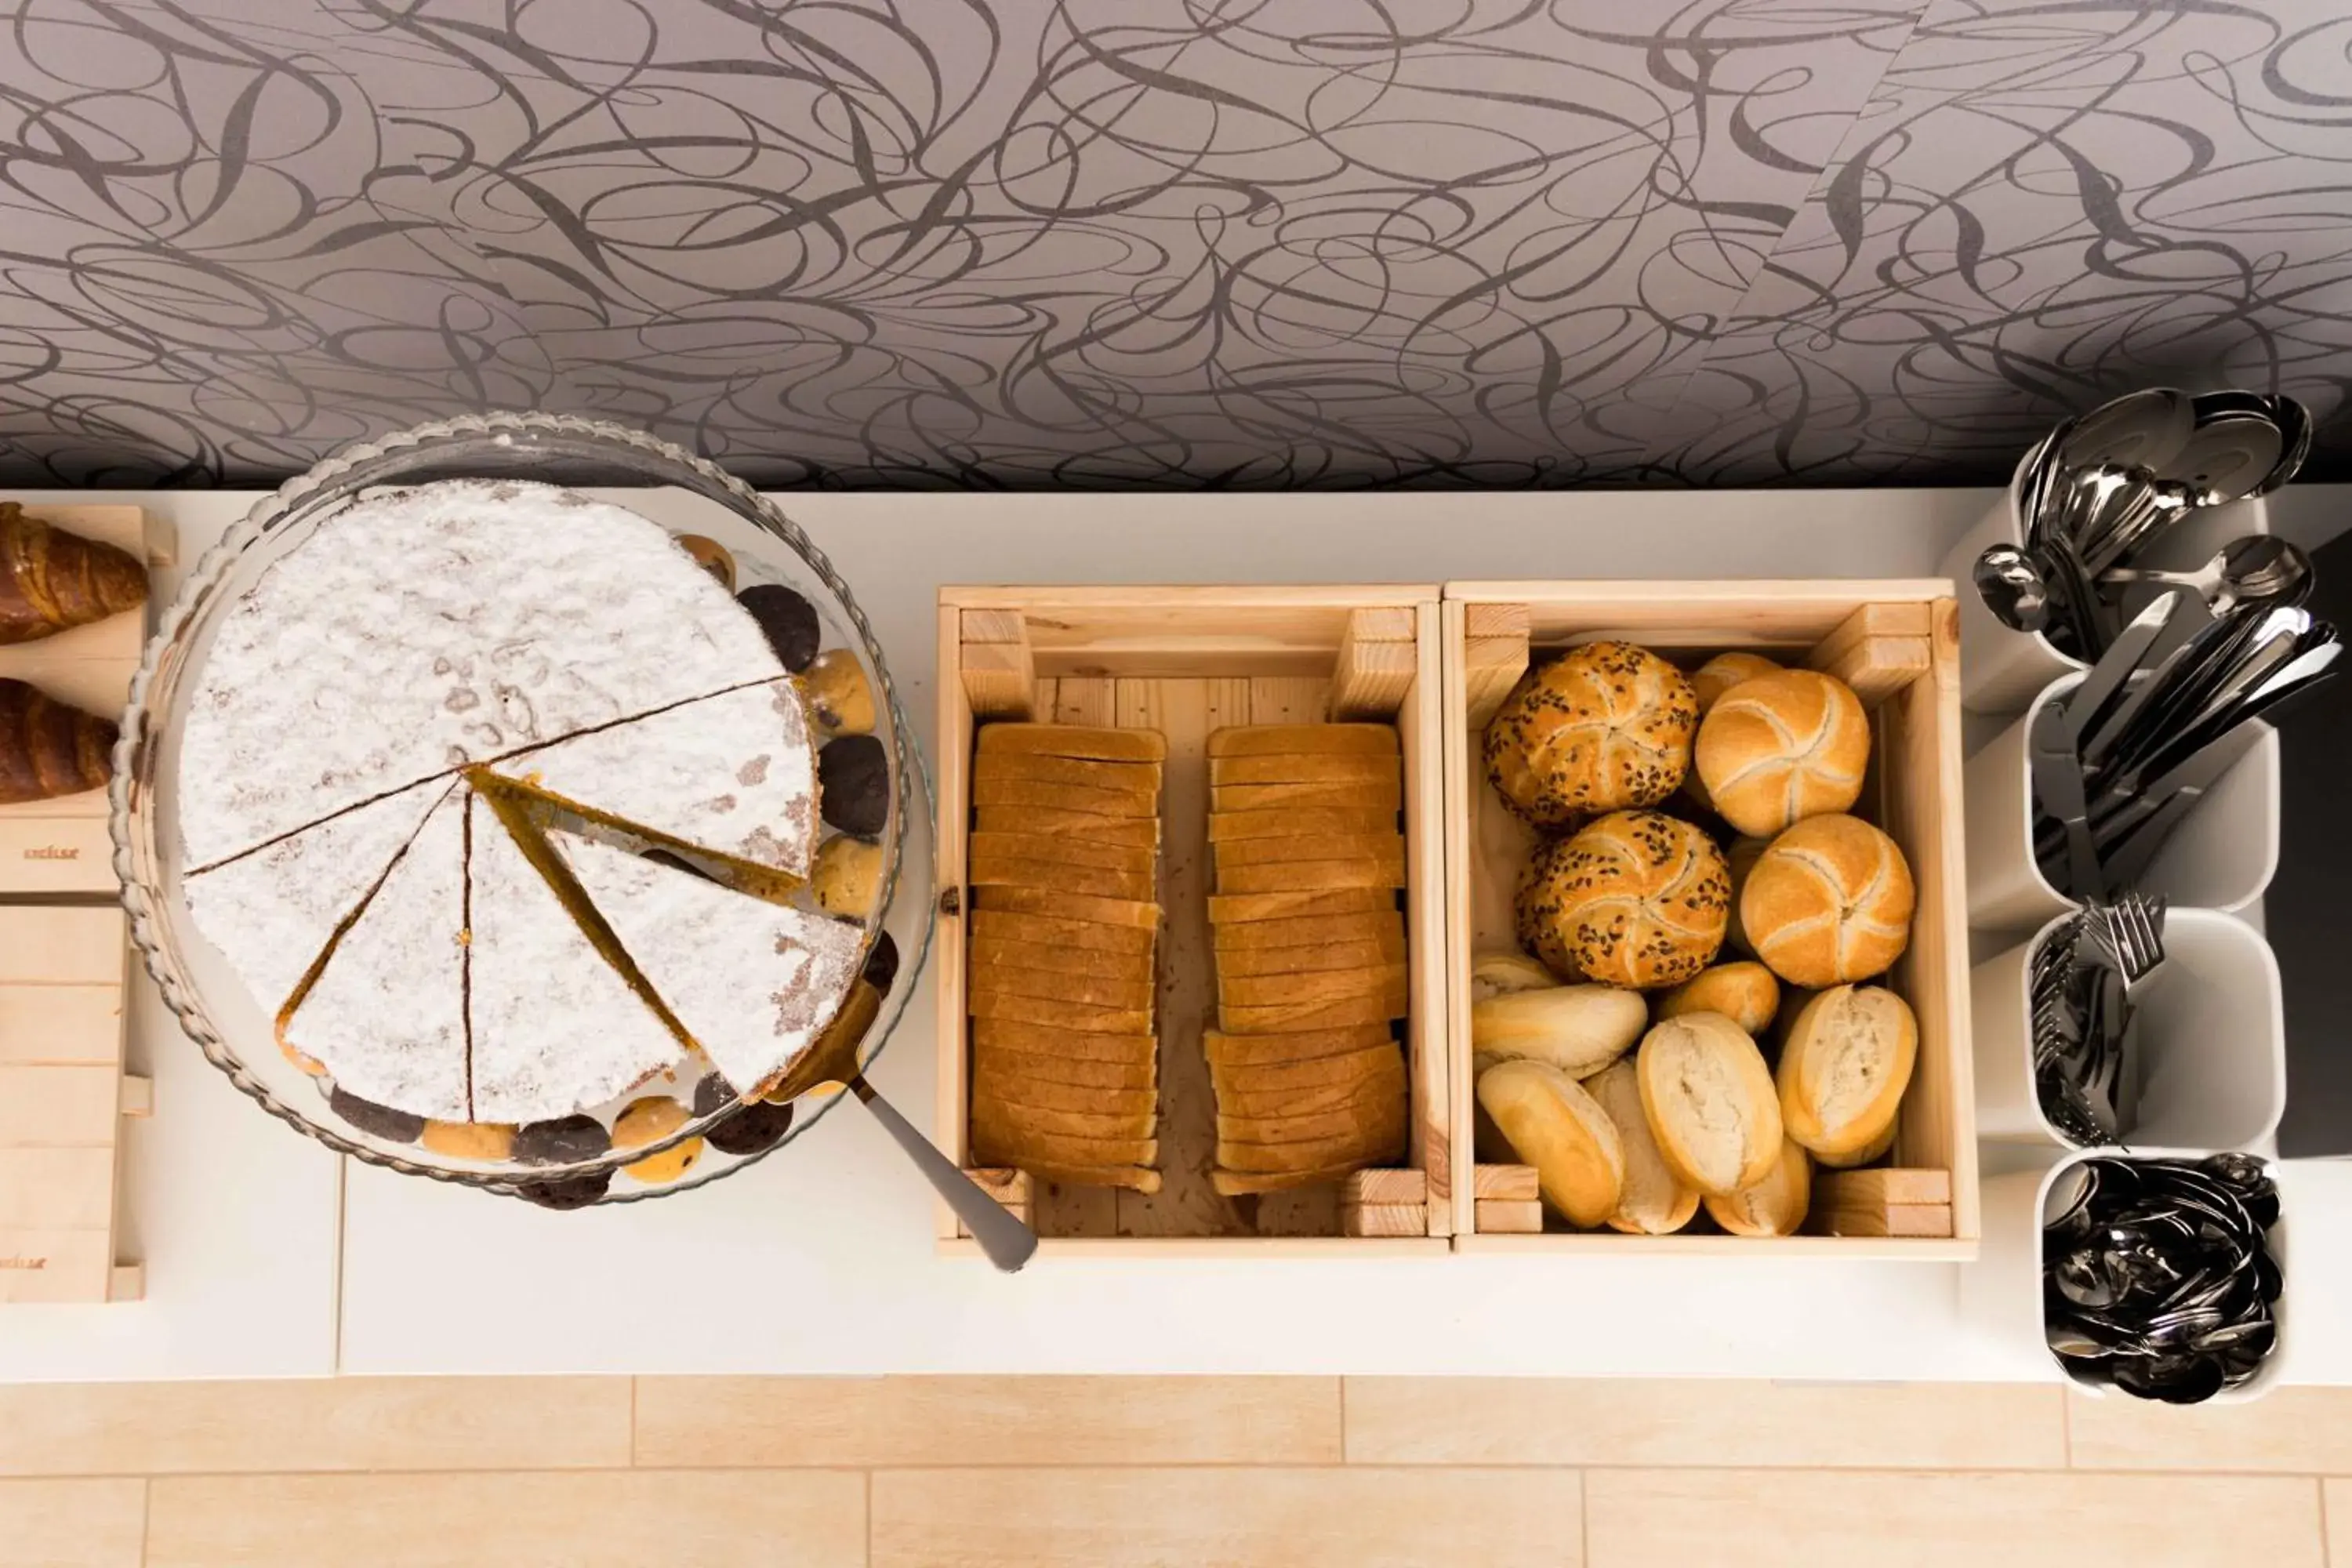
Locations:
(1165, 242)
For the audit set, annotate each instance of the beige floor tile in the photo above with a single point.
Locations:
(323, 1424)
(1781, 1518)
(702, 1519)
(2298, 1431)
(1546, 1421)
(2338, 1510)
(947, 1421)
(1210, 1518)
(71, 1524)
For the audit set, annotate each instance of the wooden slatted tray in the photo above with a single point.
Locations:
(1896, 644)
(1185, 661)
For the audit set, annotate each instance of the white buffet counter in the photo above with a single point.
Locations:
(266, 1256)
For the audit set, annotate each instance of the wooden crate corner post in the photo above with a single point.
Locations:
(1508, 1202)
(999, 672)
(1495, 656)
(1378, 654)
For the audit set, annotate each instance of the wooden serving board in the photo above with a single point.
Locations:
(51, 846)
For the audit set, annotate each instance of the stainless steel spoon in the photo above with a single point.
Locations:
(2012, 588)
(2259, 569)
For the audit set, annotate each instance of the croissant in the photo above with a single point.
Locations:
(50, 581)
(47, 749)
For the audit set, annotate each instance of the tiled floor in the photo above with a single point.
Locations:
(1189, 1472)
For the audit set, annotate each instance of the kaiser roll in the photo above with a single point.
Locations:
(1552, 1124)
(1654, 1201)
(1773, 1206)
(1603, 727)
(1711, 681)
(1744, 992)
(1829, 902)
(1637, 900)
(1711, 1101)
(1783, 747)
(1842, 1072)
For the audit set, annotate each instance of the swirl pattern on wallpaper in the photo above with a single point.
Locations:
(1165, 243)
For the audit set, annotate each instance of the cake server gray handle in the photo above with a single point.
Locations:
(1007, 1241)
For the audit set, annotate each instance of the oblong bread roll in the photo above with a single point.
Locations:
(1550, 1123)
(995, 922)
(1066, 849)
(1055, 1015)
(1579, 1029)
(1776, 1206)
(1097, 741)
(1243, 826)
(1054, 903)
(1080, 1045)
(1383, 795)
(1312, 1015)
(1711, 1103)
(1235, 908)
(1725, 670)
(1229, 1051)
(1501, 971)
(1744, 992)
(1876, 1149)
(1313, 876)
(1304, 739)
(1057, 958)
(1135, 832)
(1302, 768)
(1382, 923)
(1848, 1059)
(1654, 1202)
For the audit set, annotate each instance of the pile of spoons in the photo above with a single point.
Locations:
(2097, 491)
(2158, 1277)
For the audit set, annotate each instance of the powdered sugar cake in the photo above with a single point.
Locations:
(271, 913)
(386, 1014)
(426, 628)
(556, 1027)
(734, 774)
(753, 982)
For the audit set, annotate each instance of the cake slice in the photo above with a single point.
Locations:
(383, 1012)
(752, 983)
(731, 776)
(556, 1027)
(272, 913)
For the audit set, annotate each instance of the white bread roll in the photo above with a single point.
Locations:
(1711, 1103)
(1829, 902)
(1842, 1073)
(1552, 1124)
(1603, 727)
(1744, 992)
(1580, 1029)
(1654, 1201)
(1861, 1157)
(1774, 1206)
(1783, 747)
(1499, 972)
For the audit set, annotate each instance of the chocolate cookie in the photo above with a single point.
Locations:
(787, 620)
(853, 777)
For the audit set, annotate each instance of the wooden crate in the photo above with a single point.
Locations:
(1184, 661)
(60, 846)
(1897, 644)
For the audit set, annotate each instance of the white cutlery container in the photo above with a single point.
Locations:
(2001, 1295)
(2210, 1040)
(2221, 856)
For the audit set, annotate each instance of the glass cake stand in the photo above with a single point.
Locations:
(684, 493)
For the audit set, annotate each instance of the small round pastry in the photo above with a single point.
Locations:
(788, 621)
(376, 1121)
(847, 878)
(1744, 992)
(1741, 858)
(1783, 747)
(1637, 900)
(1552, 1124)
(1843, 1070)
(882, 963)
(566, 1140)
(569, 1192)
(1654, 1201)
(1829, 902)
(840, 694)
(1776, 1206)
(1580, 1029)
(648, 1120)
(753, 1130)
(712, 556)
(853, 778)
(1500, 973)
(1603, 727)
(1723, 671)
(489, 1141)
(1711, 1103)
